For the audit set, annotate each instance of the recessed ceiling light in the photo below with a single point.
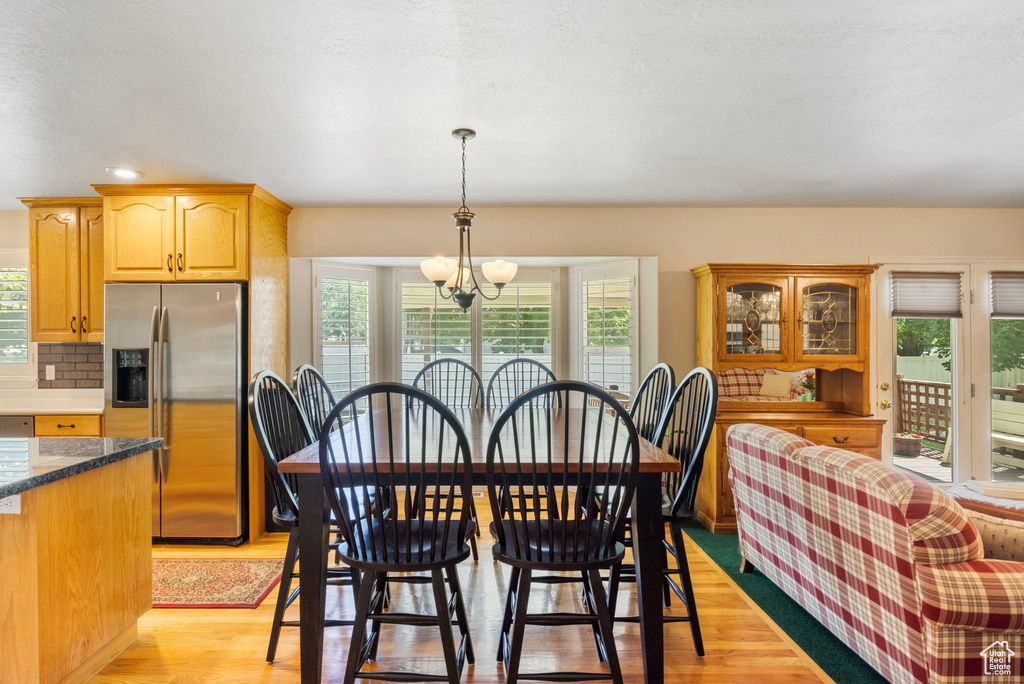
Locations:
(122, 172)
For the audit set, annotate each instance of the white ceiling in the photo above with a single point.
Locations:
(328, 103)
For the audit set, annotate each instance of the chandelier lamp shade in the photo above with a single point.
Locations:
(457, 275)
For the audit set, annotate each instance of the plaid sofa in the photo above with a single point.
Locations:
(888, 563)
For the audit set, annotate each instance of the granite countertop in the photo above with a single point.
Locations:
(26, 463)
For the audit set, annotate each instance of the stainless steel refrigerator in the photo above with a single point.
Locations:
(174, 367)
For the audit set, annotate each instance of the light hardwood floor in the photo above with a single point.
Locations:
(228, 646)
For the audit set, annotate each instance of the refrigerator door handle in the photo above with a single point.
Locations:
(161, 340)
(151, 393)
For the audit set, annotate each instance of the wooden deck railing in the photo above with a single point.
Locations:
(925, 407)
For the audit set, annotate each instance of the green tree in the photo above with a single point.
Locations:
(931, 337)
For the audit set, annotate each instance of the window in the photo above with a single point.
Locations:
(343, 325)
(606, 341)
(17, 354)
(13, 315)
(518, 324)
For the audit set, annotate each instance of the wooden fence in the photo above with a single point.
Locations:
(925, 408)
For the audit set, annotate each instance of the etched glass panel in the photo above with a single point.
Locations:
(830, 320)
(752, 319)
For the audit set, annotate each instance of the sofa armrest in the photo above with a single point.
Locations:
(977, 594)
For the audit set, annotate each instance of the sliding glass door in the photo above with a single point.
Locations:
(950, 369)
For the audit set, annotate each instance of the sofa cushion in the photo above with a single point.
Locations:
(979, 594)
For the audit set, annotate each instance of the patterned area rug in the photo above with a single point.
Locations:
(213, 582)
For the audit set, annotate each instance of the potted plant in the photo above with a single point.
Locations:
(907, 444)
(807, 382)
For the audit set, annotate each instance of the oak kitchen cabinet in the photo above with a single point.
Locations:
(789, 318)
(66, 268)
(197, 233)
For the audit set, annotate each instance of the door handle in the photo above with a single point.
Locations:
(73, 319)
(83, 323)
(66, 426)
(153, 353)
(161, 341)
(180, 262)
(169, 267)
(885, 403)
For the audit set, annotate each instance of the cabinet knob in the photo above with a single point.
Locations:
(885, 403)
(179, 262)
(73, 319)
(169, 267)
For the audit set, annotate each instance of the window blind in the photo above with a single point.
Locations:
(345, 333)
(1008, 294)
(918, 294)
(432, 328)
(608, 333)
(13, 315)
(516, 325)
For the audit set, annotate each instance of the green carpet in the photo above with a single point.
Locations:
(833, 656)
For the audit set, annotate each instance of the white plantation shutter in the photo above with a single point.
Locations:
(516, 325)
(1008, 294)
(13, 315)
(607, 325)
(920, 294)
(345, 341)
(431, 328)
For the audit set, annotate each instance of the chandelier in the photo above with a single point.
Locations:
(457, 276)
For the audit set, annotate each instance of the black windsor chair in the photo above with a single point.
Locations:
(314, 395)
(514, 377)
(452, 381)
(410, 442)
(684, 433)
(650, 400)
(537, 454)
(281, 429)
(457, 385)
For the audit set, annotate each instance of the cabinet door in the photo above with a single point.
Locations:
(831, 323)
(54, 278)
(138, 238)
(91, 235)
(212, 237)
(753, 319)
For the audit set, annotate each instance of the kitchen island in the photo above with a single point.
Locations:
(75, 557)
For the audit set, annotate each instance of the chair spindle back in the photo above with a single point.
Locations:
(650, 400)
(514, 377)
(314, 395)
(684, 434)
(453, 381)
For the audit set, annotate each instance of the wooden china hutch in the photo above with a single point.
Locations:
(789, 318)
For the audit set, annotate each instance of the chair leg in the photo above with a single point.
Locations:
(613, 588)
(379, 584)
(451, 658)
(472, 547)
(283, 591)
(355, 650)
(506, 619)
(604, 621)
(666, 591)
(684, 576)
(460, 611)
(588, 601)
(518, 627)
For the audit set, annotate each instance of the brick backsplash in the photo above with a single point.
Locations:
(76, 365)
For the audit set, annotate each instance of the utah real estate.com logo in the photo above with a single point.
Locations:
(997, 658)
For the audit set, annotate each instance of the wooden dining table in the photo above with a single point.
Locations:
(314, 526)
